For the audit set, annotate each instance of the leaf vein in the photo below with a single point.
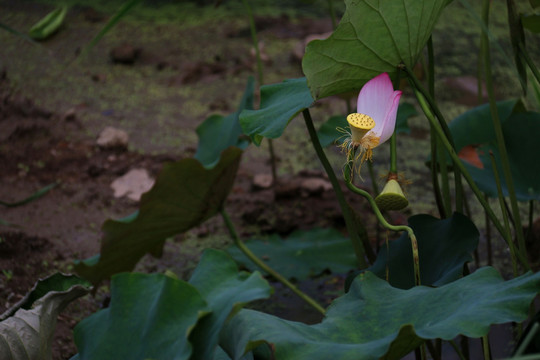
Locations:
(346, 62)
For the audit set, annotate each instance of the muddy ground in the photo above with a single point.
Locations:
(183, 69)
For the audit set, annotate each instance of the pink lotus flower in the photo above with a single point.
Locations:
(375, 119)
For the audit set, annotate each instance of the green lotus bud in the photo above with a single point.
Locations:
(392, 197)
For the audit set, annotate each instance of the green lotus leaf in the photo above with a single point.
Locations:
(475, 138)
(475, 126)
(225, 290)
(303, 254)
(150, 317)
(373, 37)
(444, 246)
(280, 103)
(184, 195)
(217, 132)
(379, 321)
(160, 317)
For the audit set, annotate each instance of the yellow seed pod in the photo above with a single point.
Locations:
(360, 124)
(392, 197)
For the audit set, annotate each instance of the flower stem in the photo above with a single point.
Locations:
(531, 217)
(503, 211)
(488, 238)
(255, 41)
(238, 242)
(457, 350)
(260, 77)
(443, 169)
(485, 347)
(517, 38)
(500, 136)
(332, 13)
(523, 52)
(444, 204)
(440, 120)
(373, 177)
(273, 160)
(380, 217)
(431, 67)
(434, 174)
(357, 232)
(528, 339)
(393, 154)
(393, 138)
(432, 350)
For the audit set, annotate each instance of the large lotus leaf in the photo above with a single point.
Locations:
(475, 137)
(226, 290)
(150, 317)
(475, 126)
(161, 317)
(373, 37)
(280, 103)
(332, 130)
(303, 254)
(185, 194)
(217, 133)
(381, 322)
(444, 246)
(27, 329)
